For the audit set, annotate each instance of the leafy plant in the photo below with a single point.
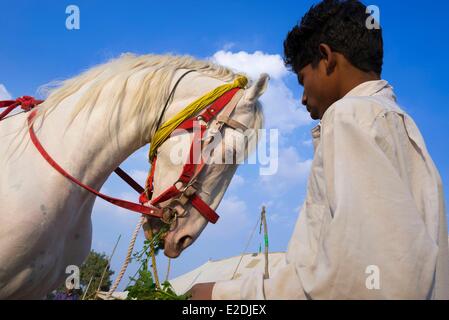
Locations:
(143, 286)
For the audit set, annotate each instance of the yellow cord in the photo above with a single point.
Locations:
(192, 109)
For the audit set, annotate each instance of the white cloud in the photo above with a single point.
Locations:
(308, 143)
(253, 64)
(282, 110)
(4, 94)
(237, 181)
(228, 46)
(234, 218)
(292, 172)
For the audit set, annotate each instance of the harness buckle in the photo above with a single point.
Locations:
(176, 208)
(169, 215)
(189, 191)
(185, 196)
(182, 187)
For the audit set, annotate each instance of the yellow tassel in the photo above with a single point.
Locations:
(191, 110)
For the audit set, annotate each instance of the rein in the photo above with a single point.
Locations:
(222, 99)
(26, 103)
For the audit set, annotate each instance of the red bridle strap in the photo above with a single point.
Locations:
(146, 210)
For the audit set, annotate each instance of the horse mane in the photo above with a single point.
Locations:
(157, 75)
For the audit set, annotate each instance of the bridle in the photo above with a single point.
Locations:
(183, 191)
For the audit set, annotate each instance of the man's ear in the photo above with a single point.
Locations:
(329, 57)
(258, 89)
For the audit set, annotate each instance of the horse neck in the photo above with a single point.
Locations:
(98, 141)
(94, 143)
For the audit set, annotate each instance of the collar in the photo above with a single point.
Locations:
(372, 88)
(368, 88)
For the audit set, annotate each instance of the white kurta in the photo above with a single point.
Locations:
(373, 224)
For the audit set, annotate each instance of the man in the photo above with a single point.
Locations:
(373, 224)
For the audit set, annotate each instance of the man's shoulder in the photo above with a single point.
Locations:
(363, 110)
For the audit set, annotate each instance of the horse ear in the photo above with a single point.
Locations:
(258, 89)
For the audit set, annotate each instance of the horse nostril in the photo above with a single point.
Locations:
(184, 241)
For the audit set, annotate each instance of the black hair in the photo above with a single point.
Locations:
(341, 24)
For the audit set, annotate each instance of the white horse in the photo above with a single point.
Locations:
(90, 124)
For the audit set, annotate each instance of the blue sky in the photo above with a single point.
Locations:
(36, 48)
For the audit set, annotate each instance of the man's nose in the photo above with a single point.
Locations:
(304, 99)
